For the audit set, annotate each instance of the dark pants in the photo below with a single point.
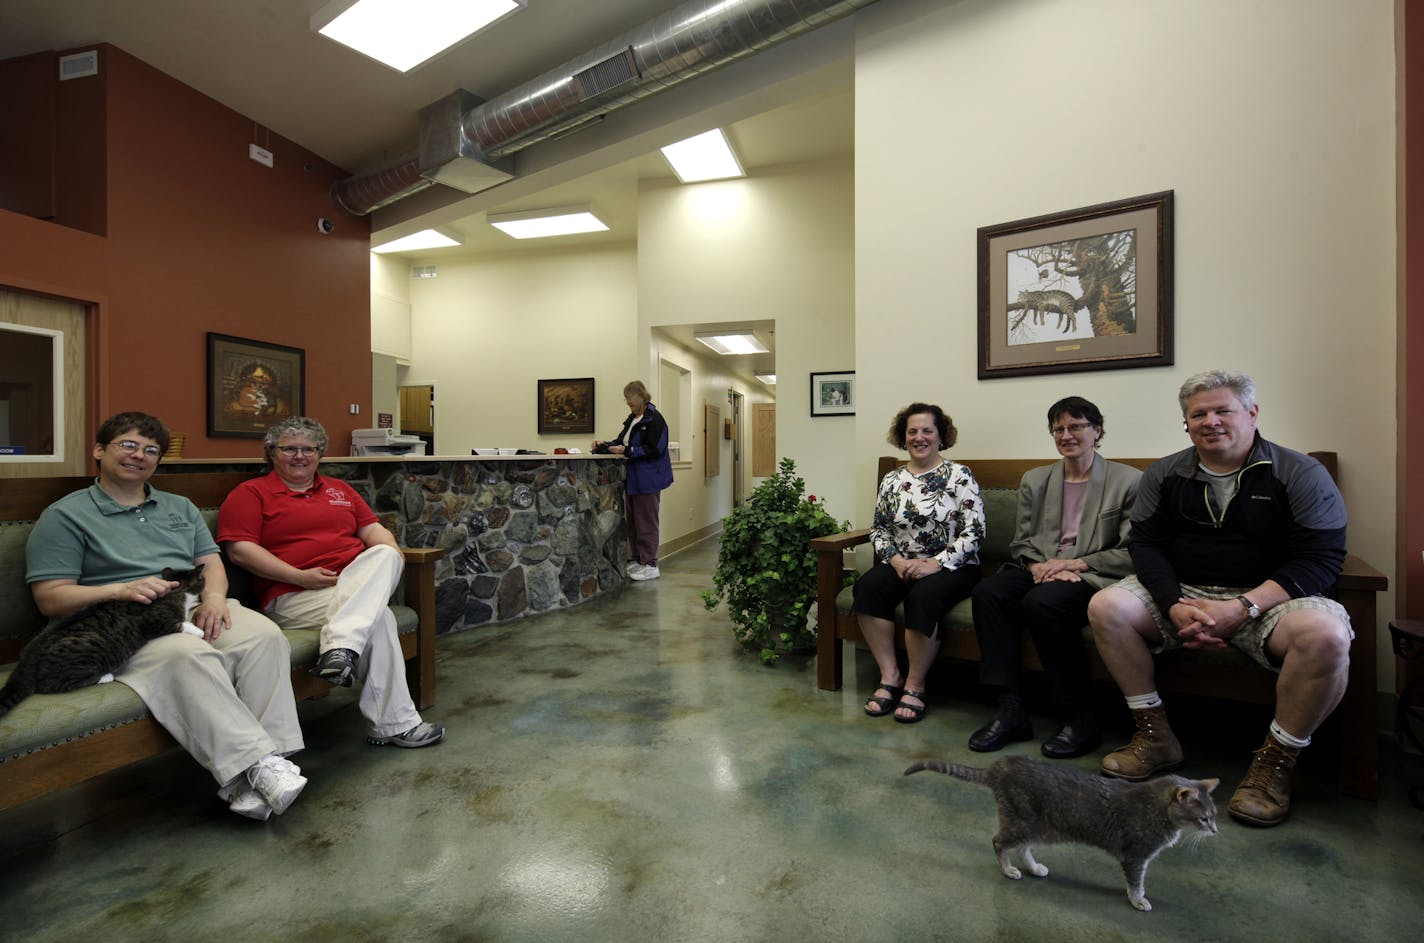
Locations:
(879, 590)
(1054, 614)
(643, 527)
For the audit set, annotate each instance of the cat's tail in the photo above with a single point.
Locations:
(970, 774)
(11, 694)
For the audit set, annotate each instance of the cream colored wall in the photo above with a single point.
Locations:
(489, 328)
(390, 307)
(1272, 121)
(384, 398)
(776, 245)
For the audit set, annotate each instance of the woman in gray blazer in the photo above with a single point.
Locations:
(1071, 541)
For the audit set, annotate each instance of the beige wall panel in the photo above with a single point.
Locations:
(69, 317)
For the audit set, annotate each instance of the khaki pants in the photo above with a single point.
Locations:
(228, 702)
(355, 614)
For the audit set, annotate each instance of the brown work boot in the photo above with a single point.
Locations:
(1153, 748)
(1263, 798)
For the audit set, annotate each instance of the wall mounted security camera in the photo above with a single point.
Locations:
(325, 226)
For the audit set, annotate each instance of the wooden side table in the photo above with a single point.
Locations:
(1407, 637)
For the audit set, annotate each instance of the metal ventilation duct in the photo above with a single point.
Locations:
(463, 141)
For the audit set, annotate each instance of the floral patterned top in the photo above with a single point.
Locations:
(937, 514)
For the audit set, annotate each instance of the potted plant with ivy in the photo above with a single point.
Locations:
(766, 570)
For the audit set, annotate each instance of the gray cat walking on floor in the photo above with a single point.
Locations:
(1051, 803)
(89, 646)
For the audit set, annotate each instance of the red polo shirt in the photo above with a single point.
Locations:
(306, 529)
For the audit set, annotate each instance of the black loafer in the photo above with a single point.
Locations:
(1078, 736)
(999, 733)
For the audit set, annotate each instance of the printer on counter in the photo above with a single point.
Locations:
(385, 442)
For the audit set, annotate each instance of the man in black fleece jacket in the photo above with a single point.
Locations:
(1233, 540)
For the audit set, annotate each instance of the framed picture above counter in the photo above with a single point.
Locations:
(252, 384)
(566, 406)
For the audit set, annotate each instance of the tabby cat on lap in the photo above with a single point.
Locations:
(1050, 803)
(89, 646)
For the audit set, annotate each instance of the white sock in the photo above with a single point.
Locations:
(1141, 702)
(1280, 734)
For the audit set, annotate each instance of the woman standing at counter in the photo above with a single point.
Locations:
(643, 440)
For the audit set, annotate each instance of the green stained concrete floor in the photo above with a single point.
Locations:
(620, 771)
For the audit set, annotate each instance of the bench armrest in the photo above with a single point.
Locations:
(828, 586)
(420, 596)
(837, 542)
(1356, 574)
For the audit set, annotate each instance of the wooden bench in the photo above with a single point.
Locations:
(1227, 675)
(105, 727)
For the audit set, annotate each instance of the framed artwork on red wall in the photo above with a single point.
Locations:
(251, 385)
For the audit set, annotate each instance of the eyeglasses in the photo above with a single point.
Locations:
(130, 446)
(290, 450)
(1077, 428)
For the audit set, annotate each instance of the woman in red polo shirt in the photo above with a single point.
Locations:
(323, 561)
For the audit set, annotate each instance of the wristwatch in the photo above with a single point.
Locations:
(1253, 611)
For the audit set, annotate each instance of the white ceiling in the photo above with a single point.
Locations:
(260, 58)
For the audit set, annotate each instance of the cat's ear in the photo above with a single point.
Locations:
(1187, 793)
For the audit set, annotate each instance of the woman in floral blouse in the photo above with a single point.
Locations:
(929, 522)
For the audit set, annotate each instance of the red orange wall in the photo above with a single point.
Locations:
(1410, 35)
(201, 238)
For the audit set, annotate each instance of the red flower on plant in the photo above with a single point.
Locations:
(811, 498)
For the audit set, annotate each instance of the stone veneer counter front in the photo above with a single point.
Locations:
(522, 534)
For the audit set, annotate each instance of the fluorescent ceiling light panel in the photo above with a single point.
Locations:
(537, 224)
(768, 378)
(704, 157)
(405, 33)
(733, 342)
(425, 239)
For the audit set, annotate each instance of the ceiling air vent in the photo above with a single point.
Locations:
(425, 271)
(78, 65)
(608, 74)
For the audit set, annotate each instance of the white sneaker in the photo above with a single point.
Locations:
(646, 573)
(249, 804)
(278, 780)
(632, 568)
(421, 735)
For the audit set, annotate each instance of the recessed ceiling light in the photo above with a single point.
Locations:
(733, 342)
(768, 378)
(707, 156)
(425, 239)
(405, 33)
(558, 221)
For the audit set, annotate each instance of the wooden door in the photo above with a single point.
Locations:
(417, 409)
(763, 440)
(711, 441)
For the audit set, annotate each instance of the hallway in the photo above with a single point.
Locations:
(620, 771)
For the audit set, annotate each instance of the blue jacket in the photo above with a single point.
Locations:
(649, 468)
(1286, 523)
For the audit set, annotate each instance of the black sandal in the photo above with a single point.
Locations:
(918, 710)
(886, 705)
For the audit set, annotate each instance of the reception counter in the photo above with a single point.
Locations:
(522, 534)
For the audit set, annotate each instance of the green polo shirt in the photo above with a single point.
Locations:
(89, 537)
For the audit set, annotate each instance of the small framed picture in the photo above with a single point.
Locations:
(566, 406)
(833, 394)
(252, 384)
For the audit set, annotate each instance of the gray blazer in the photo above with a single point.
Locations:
(1102, 531)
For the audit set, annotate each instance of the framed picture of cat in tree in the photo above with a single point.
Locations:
(252, 384)
(1084, 289)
